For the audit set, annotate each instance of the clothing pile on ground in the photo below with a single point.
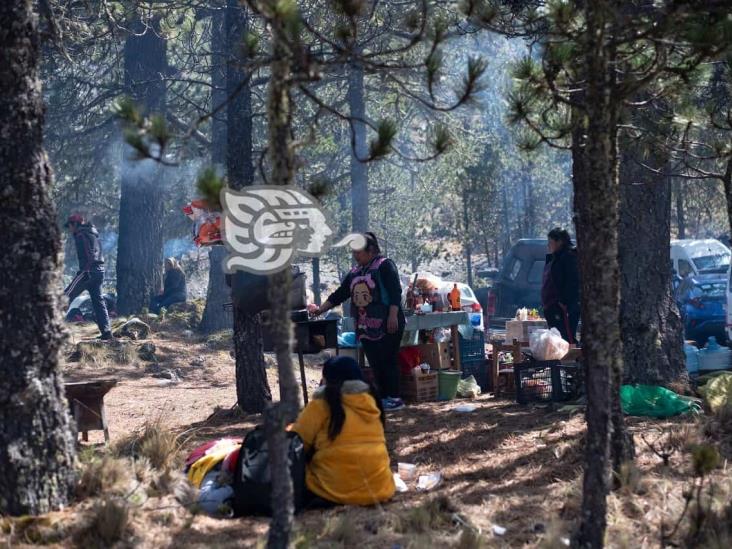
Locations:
(211, 468)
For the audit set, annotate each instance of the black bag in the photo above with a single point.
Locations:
(252, 479)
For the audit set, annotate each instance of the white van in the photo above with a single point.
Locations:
(695, 257)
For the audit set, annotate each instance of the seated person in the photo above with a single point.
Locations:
(174, 287)
(343, 429)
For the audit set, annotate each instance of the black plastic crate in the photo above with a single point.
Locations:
(473, 348)
(477, 368)
(547, 381)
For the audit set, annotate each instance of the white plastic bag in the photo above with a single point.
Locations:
(548, 345)
(468, 387)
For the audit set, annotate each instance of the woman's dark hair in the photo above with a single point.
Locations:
(372, 243)
(336, 371)
(334, 399)
(561, 235)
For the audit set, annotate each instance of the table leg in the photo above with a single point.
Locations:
(105, 428)
(455, 347)
(494, 368)
(303, 379)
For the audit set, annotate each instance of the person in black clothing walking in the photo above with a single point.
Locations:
(560, 290)
(375, 292)
(174, 287)
(91, 270)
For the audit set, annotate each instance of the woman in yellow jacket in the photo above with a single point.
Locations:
(343, 430)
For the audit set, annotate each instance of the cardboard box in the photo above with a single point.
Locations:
(419, 387)
(522, 329)
(437, 355)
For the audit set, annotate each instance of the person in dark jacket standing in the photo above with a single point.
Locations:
(375, 292)
(560, 290)
(174, 287)
(91, 270)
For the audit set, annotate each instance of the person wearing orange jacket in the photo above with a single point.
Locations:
(342, 427)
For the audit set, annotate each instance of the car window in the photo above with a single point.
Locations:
(536, 272)
(515, 269)
(685, 268)
(711, 263)
(466, 293)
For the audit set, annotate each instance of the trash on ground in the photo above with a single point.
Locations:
(499, 530)
(401, 486)
(717, 391)
(468, 387)
(655, 401)
(428, 482)
(466, 408)
(407, 471)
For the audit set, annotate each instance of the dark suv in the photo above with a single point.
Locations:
(519, 283)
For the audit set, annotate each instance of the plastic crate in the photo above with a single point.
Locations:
(547, 381)
(477, 368)
(473, 348)
(419, 388)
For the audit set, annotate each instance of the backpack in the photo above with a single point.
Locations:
(252, 478)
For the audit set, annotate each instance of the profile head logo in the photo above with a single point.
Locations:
(266, 227)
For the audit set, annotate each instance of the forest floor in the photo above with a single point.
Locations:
(511, 473)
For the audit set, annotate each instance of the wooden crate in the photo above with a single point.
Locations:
(420, 387)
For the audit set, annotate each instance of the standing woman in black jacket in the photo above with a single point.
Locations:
(375, 292)
(560, 290)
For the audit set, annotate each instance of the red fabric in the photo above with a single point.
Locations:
(409, 358)
(229, 464)
(199, 452)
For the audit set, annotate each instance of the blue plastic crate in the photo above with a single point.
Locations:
(473, 348)
(477, 368)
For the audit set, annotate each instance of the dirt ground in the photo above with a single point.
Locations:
(511, 473)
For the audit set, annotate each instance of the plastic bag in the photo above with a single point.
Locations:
(654, 401)
(468, 387)
(718, 391)
(548, 345)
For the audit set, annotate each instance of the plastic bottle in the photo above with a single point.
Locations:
(454, 298)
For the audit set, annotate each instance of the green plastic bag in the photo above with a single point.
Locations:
(654, 401)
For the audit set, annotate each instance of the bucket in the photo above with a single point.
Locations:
(448, 383)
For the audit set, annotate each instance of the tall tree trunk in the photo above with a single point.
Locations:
(596, 208)
(282, 161)
(468, 248)
(680, 210)
(141, 206)
(506, 223)
(649, 319)
(252, 389)
(530, 208)
(359, 170)
(219, 95)
(727, 182)
(36, 444)
(215, 317)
